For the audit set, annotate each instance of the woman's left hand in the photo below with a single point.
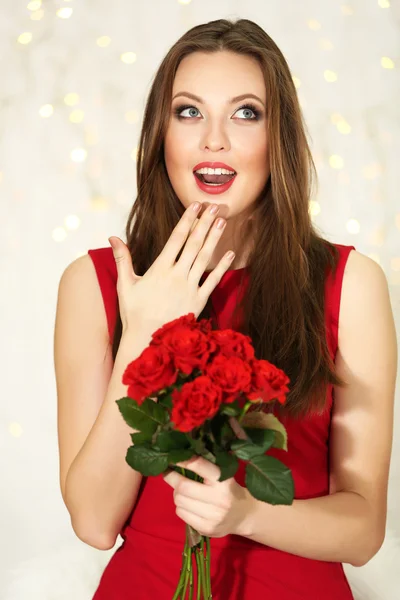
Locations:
(213, 508)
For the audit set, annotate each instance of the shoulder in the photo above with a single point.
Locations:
(362, 277)
(79, 294)
(364, 294)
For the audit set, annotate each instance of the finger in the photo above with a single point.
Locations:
(205, 468)
(197, 238)
(205, 510)
(123, 260)
(189, 488)
(178, 237)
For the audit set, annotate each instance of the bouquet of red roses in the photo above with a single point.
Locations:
(188, 394)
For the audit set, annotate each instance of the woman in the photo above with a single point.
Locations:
(224, 94)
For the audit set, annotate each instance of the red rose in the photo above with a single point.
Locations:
(232, 375)
(189, 348)
(268, 382)
(233, 343)
(188, 320)
(152, 371)
(195, 402)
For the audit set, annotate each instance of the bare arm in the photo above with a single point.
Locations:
(349, 524)
(99, 488)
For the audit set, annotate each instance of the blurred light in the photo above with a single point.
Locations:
(1, 176)
(59, 234)
(330, 75)
(71, 99)
(91, 135)
(384, 3)
(387, 63)
(25, 38)
(341, 124)
(347, 10)
(78, 155)
(128, 58)
(353, 226)
(37, 15)
(134, 153)
(34, 5)
(64, 13)
(132, 116)
(395, 263)
(325, 44)
(46, 110)
(184, 1)
(72, 222)
(296, 81)
(397, 220)
(314, 208)
(76, 116)
(377, 238)
(372, 171)
(103, 41)
(343, 127)
(336, 161)
(314, 24)
(99, 203)
(15, 429)
(374, 257)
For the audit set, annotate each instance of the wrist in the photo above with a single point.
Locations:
(247, 524)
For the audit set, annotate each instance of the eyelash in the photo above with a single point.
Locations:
(249, 106)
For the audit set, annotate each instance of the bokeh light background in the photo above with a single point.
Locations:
(74, 79)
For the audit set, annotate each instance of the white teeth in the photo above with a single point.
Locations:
(208, 171)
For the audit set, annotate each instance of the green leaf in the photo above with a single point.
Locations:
(269, 480)
(172, 440)
(261, 437)
(145, 417)
(262, 420)
(228, 463)
(179, 455)
(147, 460)
(246, 450)
(139, 437)
(221, 430)
(166, 400)
(232, 410)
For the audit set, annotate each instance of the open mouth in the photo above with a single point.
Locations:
(214, 179)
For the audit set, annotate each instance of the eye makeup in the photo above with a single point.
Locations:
(249, 106)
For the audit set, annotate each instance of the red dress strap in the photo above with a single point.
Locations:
(107, 275)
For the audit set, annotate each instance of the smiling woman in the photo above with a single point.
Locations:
(318, 310)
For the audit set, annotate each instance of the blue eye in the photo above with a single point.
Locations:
(257, 113)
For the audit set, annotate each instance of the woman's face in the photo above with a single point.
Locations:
(214, 129)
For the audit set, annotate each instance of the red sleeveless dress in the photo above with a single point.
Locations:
(147, 564)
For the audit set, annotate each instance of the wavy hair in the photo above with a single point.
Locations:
(283, 309)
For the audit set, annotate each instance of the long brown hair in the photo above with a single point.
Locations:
(283, 309)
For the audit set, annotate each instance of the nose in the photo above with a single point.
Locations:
(215, 138)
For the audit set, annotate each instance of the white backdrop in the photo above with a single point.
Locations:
(75, 76)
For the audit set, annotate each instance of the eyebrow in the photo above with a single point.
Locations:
(231, 101)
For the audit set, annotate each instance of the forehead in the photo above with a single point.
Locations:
(219, 74)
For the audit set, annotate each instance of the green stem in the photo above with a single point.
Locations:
(208, 565)
(182, 575)
(244, 410)
(199, 582)
(187, 571)
(203, 570)
(191, 575)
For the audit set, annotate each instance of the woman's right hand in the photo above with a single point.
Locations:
(170, 289)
